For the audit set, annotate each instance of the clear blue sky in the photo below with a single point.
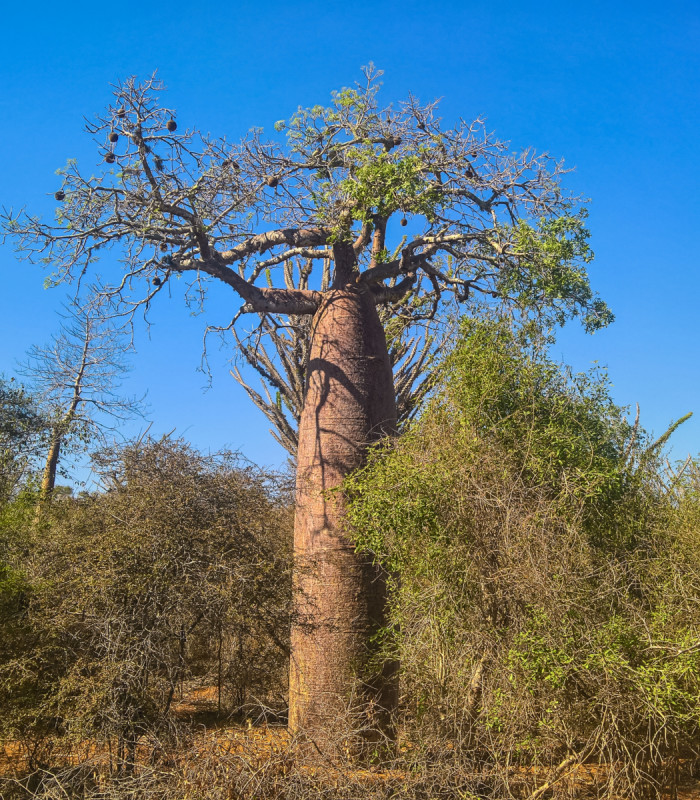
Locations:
(613, 88)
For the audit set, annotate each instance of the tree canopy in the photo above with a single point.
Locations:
(22, 428)
(280, 220)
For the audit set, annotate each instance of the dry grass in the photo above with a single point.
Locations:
(248, 761)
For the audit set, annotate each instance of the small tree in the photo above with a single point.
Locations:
(480, 222)
(76, 377)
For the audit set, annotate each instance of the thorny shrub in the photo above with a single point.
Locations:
(176, 573)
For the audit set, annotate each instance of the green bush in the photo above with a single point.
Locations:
(545, 608)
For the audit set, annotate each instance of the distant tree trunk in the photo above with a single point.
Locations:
(58, 434)
(340, 595)
(48, 480)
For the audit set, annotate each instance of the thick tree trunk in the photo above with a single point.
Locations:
(340, 595)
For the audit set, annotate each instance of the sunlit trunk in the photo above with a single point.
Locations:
(48, 480)
(340, 595)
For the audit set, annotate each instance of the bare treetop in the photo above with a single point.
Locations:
(86, 361)
(281, 221)
(77, 380)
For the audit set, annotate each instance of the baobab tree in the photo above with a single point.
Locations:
(351, 208)
(279, 353)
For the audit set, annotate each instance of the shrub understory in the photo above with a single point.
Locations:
(545, 609)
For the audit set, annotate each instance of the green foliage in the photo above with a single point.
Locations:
(556, 253)
(547, 587)
(21, 428)
(560, 431)
(382, 185)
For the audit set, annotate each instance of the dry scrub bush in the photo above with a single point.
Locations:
(173, 576)
(546, 610)
(212, 770)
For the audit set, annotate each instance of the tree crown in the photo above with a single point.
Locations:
(325, 206)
